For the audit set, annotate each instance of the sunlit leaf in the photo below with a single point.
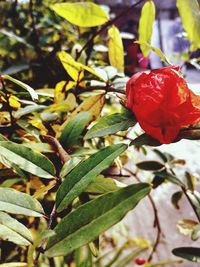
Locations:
(83, 14)
(189, 11)
(15, 202)
(31, 91)
(115, 49)
(27, 159)
(95, 217)
(146, 25)
(13, 231)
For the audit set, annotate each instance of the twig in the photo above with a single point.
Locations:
(156, 218)
(106, 25)
(106, 88)
(64, 156)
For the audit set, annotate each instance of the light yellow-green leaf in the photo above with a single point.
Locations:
(156, 50)
(75, 69)
(115, 49)
(82, 14)
(14, 264)
(190, 15)
(146, 25)
(23, 85)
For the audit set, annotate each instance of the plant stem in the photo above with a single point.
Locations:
(106, 25)
(156, 218)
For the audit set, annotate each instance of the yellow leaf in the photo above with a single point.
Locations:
(60, 90)
(83, 14)
(63, 106)
(190, 15)
(37, 123)
(115, 49)
(146, 25)
(44, 189)
(75, 69)
(14, 102)
(93, 104)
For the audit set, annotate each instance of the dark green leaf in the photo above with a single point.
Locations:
(69, 165)
(14, 231)
(176, 197)
(81, 176)
(111, 124)
(161, 155)
(74, 129)
(188, 253)
(157, 181)
(15, 202)
(145, 139)
(150, 165)
(172, 178)
(27, 159)
(91, 219)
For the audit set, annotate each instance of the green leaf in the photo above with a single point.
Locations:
(146, 26)
(172, 178)
(73, 130)
(103, 185)
(82, 14)
(15, 202)
(111, 124)
(150, 165)
(145, 139)
(81, 176)
(188, 253)
(27, 159)
(69, 166)
(94, 217)
(13, 231)
(31, 91)
(116, 49)
(190, 15)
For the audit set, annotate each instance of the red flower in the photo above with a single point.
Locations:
(162, 102)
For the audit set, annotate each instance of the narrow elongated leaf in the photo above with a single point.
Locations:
(111, 124)
(145, 139)
(146, 25)
(81, 176)
(115, 49)
(150, 165)
(94, 217)
(190, 15)
(128, 258)
(31, 91)
(14, 264)
(69, 165)
(14, 231)
(27, 159)
(15, 202)
(93, 104)
(188, 253)
(75, 69)
(83, 14)
(73, 130)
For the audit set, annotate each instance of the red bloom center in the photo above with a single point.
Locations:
(162, 102)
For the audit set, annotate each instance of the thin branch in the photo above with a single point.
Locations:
(64, 156)
(156, 218)
(106, 25)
